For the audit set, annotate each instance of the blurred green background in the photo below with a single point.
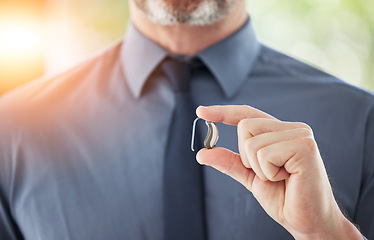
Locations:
(334, 35)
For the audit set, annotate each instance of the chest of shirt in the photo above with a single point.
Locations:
(103, 175)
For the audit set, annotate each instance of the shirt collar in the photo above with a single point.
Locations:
(230, 60)
(139, 56)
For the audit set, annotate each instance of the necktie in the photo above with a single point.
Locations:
(183, 176)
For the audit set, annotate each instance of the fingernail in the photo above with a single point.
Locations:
(199, 107)
(197, 158)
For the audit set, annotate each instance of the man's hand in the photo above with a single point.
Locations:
(279, 162)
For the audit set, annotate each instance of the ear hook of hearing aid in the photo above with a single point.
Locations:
(211, 137)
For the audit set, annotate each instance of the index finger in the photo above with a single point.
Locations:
(230, 114)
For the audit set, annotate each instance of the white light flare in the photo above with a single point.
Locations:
(20, 39)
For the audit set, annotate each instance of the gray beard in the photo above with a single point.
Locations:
(203, 13)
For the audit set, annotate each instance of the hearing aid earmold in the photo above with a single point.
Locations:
(211, 136)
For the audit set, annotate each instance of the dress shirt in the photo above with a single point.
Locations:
(82, 152)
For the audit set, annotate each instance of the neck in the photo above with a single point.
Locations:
(186, 39)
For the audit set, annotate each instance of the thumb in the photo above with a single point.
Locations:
(228, 163)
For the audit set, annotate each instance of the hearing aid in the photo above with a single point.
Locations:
(211, 136)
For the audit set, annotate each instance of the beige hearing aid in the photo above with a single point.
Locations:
(211, 136)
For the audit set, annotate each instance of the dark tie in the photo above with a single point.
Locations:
(184, 214)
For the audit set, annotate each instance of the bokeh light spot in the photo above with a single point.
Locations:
(19, 38)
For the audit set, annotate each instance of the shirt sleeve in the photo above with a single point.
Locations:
(8, 229)
(364, 216)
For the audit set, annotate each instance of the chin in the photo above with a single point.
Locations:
(188, 12)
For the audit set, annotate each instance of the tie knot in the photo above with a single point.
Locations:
(179, 70)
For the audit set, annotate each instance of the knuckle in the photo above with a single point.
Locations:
(303, 132)
(304, 125)
(309, 144)
(247, 153)
(262, 155)
(264, 160)
(243, 123)
(244, 159)
(249, 146)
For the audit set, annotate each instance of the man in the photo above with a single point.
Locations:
(91, 153)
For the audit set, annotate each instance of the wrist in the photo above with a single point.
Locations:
(342, 229)
(349, 231)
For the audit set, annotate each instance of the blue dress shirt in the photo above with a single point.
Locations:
(82, 152)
